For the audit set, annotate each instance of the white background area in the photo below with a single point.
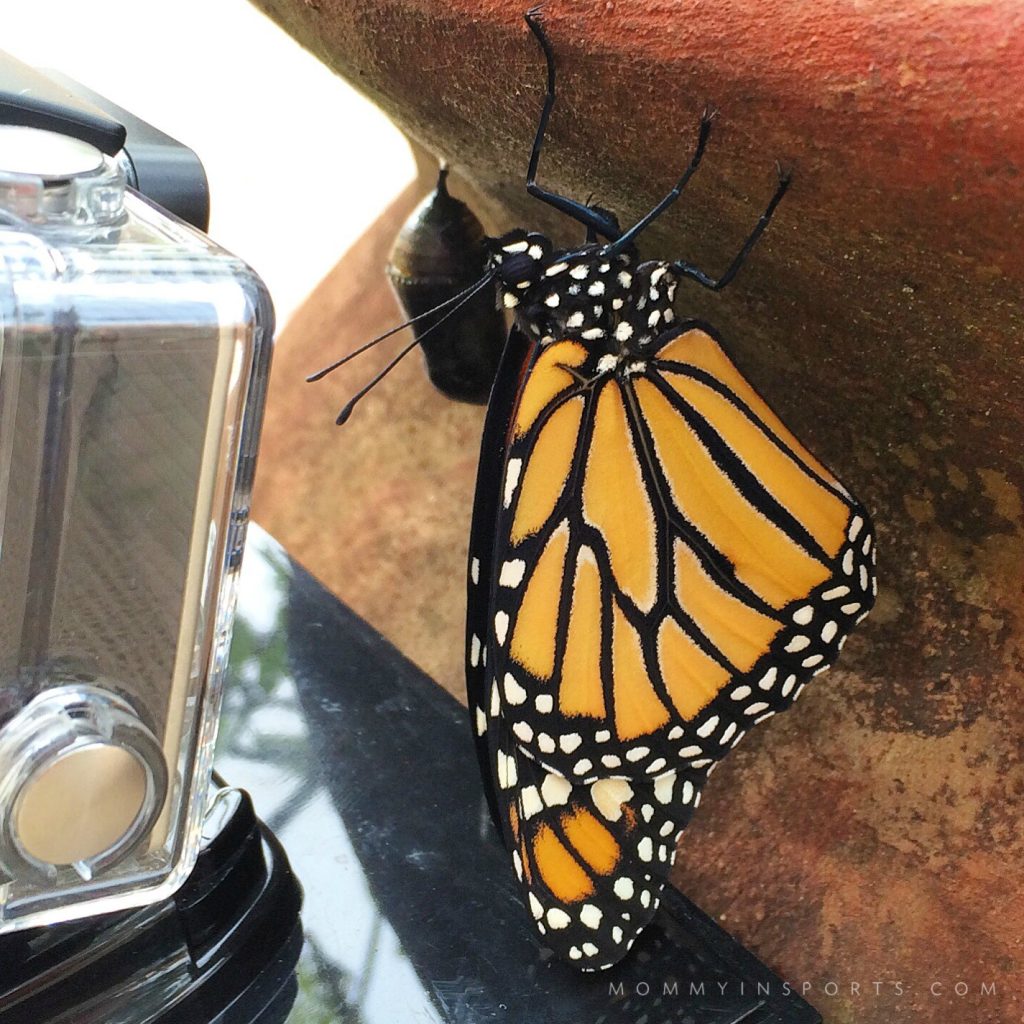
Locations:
(299, 164)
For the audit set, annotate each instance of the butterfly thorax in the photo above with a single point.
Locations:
(608, 302)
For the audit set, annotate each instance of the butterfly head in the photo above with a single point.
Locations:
(582, 294)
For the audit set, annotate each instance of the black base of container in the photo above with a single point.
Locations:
(221, 950)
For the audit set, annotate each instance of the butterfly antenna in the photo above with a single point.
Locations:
(362, 392)
(465, 295)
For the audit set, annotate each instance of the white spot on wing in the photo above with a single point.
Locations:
(512, 573)
(523, 730)
(663, 786)
(555, 789)
(708, 727)
(803, 615)
(609, 795)
(515, 467)
(558, 918)
(500, 626)
(531, 801)
(514, 693)
(570, 741)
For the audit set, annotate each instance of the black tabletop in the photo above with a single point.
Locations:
(365, 770)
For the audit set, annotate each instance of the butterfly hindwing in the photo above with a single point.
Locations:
(592, 859)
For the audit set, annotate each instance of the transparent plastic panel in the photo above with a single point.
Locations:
(134, 356)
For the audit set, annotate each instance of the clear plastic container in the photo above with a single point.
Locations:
(133, 360)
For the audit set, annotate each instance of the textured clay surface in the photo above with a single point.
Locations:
(868, 843)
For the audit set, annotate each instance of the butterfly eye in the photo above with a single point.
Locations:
(517, 268)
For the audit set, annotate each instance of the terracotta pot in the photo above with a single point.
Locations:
(873, 833)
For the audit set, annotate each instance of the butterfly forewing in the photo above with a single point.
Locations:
(660, 564)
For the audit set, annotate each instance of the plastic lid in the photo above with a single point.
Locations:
(51, 180)
(46, 155)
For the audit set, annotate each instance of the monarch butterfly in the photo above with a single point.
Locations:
(656, 564)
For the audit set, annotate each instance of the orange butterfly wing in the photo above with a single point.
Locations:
(661, 565)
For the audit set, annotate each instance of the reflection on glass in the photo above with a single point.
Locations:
(264, 746)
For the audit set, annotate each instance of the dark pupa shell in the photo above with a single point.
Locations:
(438, 253)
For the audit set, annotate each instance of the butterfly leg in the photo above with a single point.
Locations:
(596, 220)
(702, 139)
(716, 284)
